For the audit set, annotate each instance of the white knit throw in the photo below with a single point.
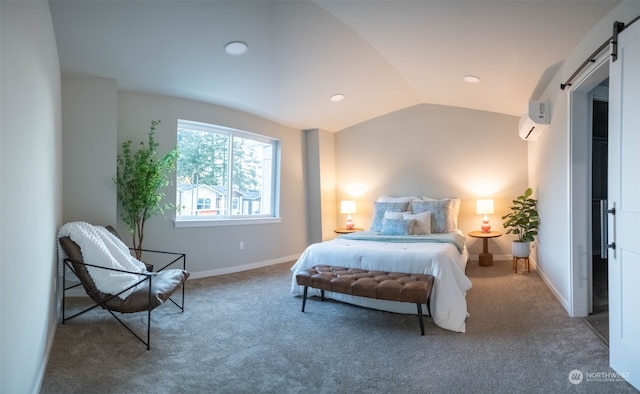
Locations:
(100, 247)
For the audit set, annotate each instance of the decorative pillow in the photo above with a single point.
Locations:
(396, 199)
(393, 215)
(423, 222)
(397, 227)
(455, 210)
(381, 207)
(440, 214)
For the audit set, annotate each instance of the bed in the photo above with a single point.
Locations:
(394, 245)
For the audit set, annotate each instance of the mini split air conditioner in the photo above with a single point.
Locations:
(535, 122)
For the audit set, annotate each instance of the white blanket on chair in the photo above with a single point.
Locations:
(100, 247)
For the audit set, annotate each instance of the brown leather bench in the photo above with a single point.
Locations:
(391, 286)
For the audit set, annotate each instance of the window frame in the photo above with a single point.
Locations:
(229, 219)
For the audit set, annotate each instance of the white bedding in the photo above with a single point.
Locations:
(442, 260)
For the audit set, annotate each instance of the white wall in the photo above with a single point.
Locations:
(320, 175)
(436, 151)
(313, 189)
(30, 198)
(215, 250)
(90, 133)
(330, 207)
(550, 163)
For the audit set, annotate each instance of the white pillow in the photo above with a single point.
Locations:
(454, 208)
(393, 215)
(396, 199)
(380, 208)
(422, 224)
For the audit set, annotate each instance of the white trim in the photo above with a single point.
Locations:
(199, 222)
(554, 291)
(42, 369)
(580, 181)
(213, 128)
(79, 291)
(244, 267)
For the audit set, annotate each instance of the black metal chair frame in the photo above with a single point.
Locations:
(144, 277)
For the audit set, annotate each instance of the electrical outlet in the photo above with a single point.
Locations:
(241, 245)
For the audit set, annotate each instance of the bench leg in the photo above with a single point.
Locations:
(429, 307)
(304, 298)
(420, 318)
(322, 294)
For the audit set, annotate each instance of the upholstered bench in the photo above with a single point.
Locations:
(391, 286)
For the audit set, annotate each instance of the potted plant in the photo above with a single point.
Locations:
(140, 178)
(523, 221)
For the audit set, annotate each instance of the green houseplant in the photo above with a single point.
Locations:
(140, 178)
(523, 221)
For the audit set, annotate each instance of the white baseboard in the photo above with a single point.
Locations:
(244, 267)
(51, 334)
(79, 291)
(75, 292)
(545, 279)
(554, 291)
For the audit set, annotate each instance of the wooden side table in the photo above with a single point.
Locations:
(485, 259)
(344, 230)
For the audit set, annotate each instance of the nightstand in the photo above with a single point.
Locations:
(344, 230)
(485, 259)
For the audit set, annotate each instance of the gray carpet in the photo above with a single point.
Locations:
(244, 333)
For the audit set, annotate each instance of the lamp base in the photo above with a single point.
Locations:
(349, 224)
(485, 225)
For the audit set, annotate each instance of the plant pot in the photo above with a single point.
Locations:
(520, 249)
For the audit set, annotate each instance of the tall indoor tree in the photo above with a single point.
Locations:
(140, 178)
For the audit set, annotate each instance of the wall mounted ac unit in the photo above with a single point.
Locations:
(535, 122)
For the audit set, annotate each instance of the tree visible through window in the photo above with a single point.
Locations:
(225, 173)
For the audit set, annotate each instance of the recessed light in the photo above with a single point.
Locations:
(235, 48)
(471, 79)
(337, 97)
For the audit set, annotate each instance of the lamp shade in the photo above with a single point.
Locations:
(348, 206)
(484, 206)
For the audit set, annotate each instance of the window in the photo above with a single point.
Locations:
(224, 173)
(204, 203)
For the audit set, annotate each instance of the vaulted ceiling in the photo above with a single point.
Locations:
(382, 55)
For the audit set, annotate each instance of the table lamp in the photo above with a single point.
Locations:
(348, 207)
(485, 207)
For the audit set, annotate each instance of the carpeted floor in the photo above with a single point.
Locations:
(244, 333)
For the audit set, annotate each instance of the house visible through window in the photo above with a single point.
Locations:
(224, 173)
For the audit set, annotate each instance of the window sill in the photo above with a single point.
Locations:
(199, 222)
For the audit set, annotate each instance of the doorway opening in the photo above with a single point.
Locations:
(598, 316)
(599, 167)
(583, 219)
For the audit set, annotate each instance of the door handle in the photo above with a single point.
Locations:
(604, 229)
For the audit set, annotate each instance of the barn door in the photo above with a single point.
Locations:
(624, 198)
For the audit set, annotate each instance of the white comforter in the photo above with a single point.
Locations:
(443, 261)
